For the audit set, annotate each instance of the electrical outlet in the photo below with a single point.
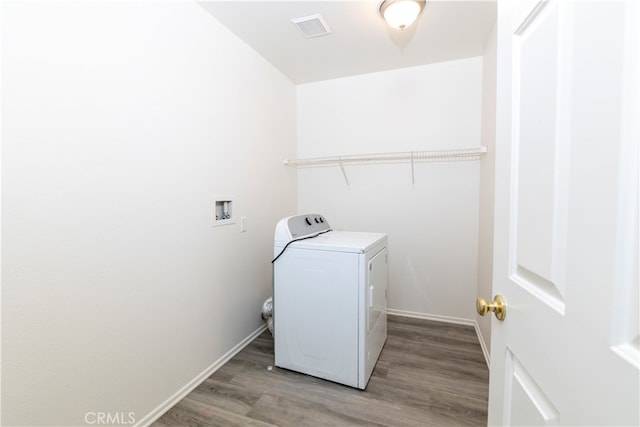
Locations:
(243, 224)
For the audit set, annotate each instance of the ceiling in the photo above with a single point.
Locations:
(360, 41)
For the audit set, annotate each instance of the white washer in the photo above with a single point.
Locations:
(329, 299)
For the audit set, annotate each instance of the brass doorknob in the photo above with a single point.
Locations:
(498, 306)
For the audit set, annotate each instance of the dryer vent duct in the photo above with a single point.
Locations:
(312, 26)
(267, 313)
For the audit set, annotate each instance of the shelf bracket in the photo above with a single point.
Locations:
(344, 174)
(413, 177)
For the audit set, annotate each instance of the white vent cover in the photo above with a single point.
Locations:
(312, 26)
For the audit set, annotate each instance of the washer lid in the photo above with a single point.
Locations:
(341, 241)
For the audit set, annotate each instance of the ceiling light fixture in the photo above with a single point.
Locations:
(401, 13)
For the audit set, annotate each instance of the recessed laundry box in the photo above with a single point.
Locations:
(329, 299)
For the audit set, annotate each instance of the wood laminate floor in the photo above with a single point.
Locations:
(429, 374)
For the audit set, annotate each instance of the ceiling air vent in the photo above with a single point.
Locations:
(312, 26)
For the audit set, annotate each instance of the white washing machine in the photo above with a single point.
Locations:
(329, 299)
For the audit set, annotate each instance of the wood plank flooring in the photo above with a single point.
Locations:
(429, 374)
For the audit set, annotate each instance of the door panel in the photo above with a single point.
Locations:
(526, 402)
(540, 142)
(535, 92)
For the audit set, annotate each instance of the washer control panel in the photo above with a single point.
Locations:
(295, 227)
(304, 225)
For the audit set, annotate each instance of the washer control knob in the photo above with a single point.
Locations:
(307, 220)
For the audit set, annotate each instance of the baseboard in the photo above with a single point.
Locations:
(436, 317)
(446, 319)
(191, 385)
(483, 345)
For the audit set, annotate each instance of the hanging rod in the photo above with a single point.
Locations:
(455, 155)
(460, 154)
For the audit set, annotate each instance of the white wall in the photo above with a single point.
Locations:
(487, 171)
(433, 226)
(120, 120)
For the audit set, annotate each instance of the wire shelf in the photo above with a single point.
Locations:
(454, 155)
(460, 154)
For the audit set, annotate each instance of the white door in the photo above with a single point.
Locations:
(566, 231)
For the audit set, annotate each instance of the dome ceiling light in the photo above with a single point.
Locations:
(401, 13)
